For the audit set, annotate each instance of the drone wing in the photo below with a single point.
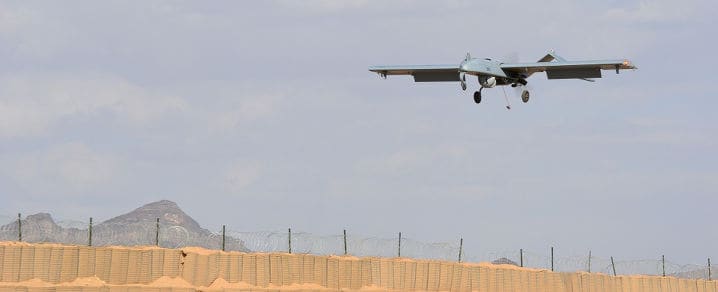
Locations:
(562, 69)
(421, 73)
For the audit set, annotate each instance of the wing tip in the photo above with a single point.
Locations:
(627, 64)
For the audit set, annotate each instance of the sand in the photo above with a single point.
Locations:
(200, 250)
(86, 281)
(165, 281)
(54, 267)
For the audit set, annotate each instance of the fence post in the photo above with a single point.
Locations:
(157, 232)
(589, 261)
(461, 247)
(224, 229)
(289, 240)
(89, 233)
(613, 265)
(399, 244)
(709, 269)
(19, 227)
(345, 242)
(552, 259)
(521, 257)
(663, 264)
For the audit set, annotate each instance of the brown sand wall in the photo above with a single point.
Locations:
(52, 267)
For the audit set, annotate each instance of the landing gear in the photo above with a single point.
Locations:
(525, 96)
(477, 96)
(463, 82)
(518, 84)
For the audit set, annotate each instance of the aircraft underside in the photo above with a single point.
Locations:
(493, 81)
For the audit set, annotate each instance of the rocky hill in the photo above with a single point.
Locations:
(139, 227)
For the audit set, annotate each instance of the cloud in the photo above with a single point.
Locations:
(64, 168)
(325, 6)
(414, 159)
(12, 19)
(655, 12)
(30, 105)
(32, 32)
(243, 110)
(239, 176)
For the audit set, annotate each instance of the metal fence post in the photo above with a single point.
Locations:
(89, 233)
(613, 265)
(461, 247)
(709, 269)
(521, 257)
(399, 244)
(224, 229)
(290, 240)
(345, 242)
(663, 264)
(552, 259)
(589, 261)
(19, 227)
(157, 233)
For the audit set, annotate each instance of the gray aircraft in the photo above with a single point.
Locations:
(491, 73)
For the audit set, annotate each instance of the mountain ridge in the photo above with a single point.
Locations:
(137, 227)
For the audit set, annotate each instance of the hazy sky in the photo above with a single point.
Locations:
(262, 115)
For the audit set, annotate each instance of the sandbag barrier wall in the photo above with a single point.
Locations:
(124, 265)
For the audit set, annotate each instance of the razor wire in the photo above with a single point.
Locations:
(144, 233)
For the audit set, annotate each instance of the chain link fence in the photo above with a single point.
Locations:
(45, 230)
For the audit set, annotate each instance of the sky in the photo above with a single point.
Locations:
(262, 115)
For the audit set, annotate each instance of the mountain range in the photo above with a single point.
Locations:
(138, 227)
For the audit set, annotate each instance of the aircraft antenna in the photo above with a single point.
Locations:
(508, 104)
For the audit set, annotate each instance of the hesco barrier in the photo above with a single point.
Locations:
(54, 267)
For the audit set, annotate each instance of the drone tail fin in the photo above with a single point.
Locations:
(550, 56)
